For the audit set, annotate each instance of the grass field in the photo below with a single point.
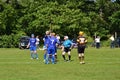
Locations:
(101, 64)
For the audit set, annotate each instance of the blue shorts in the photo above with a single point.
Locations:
(33, 48)
(51, 51)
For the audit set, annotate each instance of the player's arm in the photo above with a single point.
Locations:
(57, 42)
(78, 40)
(43, 39)
(86, 40)
(71, 44)
(62, 47)
(28, 45)
(36, 42)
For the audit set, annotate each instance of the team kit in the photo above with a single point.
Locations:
(51, 42)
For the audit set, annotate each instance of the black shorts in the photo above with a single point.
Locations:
(81, 49)
(67, 49)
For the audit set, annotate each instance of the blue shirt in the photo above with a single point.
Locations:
(67, 43)
(32, 42)
(52, 42)
(46, 39)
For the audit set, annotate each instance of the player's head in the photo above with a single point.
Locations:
(52, 34)
(47, 32)
(37, 36)
(81, 33)
(65, 37)
(32, 35)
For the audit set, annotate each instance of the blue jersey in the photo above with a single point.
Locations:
(67, 43)
(52, 42)
(51, 45)
(32, 42)
(46, 39)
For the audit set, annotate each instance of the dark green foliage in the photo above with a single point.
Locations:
(65, 17)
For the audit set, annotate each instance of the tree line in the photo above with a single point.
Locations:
(64, 17)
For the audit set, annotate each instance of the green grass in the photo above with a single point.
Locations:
(101, 64)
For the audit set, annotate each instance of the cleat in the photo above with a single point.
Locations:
(31, 58)
(83, 62)
(80, 62)
(69, 61)
(44, 60)
(37, 58)
(65, 60)
(53, 63)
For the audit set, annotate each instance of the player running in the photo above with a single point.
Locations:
(66, 48)
(81, 40)
(33, 47)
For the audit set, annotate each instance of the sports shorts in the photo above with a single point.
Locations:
(51, 50)
(67, 49)
(81, 49)
(33, 48)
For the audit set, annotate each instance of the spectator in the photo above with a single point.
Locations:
(97, 41)
(112, 44)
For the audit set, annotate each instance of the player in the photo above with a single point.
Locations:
(51, 46)
(58, 43)
(66, 48)
(81, 40)
(45, 39)
(33, 47)
(112, 44)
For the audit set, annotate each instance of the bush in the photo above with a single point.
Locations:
(10, 41)
(105, 43)
(6, 41)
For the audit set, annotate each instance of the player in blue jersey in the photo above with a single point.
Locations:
(45, 39)
(66, 48)
(33, 47)
(51, 47)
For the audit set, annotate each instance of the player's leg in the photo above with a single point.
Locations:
(45, 52)
(53, 58)
(31, 53)
(83, 62)
(55, 54)
(69, 54)
(48, 55)
(63, 55)
(47, 59)
(79, 54)
(80, 57)
(82, 54)
(35, 52)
